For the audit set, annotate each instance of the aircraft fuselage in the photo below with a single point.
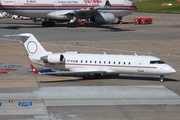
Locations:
(41, 8)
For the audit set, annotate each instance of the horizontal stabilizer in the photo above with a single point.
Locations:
(34, 49)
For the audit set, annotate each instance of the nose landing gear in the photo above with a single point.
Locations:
(161, 78)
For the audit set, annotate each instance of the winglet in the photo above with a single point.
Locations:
(34, 69)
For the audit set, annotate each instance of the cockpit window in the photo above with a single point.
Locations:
(157, 62)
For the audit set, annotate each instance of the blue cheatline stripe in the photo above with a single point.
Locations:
(0, 103)
(25, 104)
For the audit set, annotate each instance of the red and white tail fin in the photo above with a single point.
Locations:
(34, 69)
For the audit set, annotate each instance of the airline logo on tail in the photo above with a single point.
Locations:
(32, 47)
(34, 69)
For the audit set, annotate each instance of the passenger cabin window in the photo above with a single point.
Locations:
(94, 61)
(124, 63)
(114, 62)
(157, 62)
(104, 62)
(119, 63)
(90, 61)
(86, 61)
(81, 61)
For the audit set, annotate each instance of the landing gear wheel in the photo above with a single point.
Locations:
(68, 25)
(161, 78)
(119, 22)
(48, 24)
(97, 75)
(44, 24)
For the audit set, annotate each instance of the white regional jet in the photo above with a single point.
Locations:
(93, 64)
(99, 11)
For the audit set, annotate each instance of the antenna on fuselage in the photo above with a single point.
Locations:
(135, 53)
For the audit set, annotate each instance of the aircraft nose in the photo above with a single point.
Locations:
(171, 70)
(134, 6)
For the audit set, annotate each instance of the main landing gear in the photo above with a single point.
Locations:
(85, 77)
(161, 78)
(119, 20)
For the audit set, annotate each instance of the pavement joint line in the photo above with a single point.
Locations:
(44, 99)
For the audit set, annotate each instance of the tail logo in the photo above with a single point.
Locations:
(32, 47)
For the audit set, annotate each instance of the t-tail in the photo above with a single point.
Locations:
(32, 46)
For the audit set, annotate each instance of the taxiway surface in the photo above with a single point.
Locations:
(111, 97)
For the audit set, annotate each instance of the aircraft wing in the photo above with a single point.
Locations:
(87, 11)
(90, 10)
(73, 72)
(79, 71)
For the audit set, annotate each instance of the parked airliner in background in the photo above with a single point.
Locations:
(98, 11)
(93, 64)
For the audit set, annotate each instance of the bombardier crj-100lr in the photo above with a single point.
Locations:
(98, 11)
(93, 64)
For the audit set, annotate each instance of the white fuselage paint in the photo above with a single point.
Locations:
(41, 8)
(84, 63)
(126, 64)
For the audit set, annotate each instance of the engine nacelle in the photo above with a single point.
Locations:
(57, 15)
(103, 18)
(53, 58)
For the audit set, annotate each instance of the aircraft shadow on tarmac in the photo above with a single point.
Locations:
(17, 25)
(117, 77)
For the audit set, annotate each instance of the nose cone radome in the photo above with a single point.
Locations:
(131, 4)
(134, 6)
(170, 70)
(173, 70)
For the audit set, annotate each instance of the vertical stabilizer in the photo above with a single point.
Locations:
(32, 46)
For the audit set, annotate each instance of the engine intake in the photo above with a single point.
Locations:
(53, 58)
(103, 18)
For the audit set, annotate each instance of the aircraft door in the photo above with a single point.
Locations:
(140, 66)
(56, 5)
(125, 3)
(17, 4)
